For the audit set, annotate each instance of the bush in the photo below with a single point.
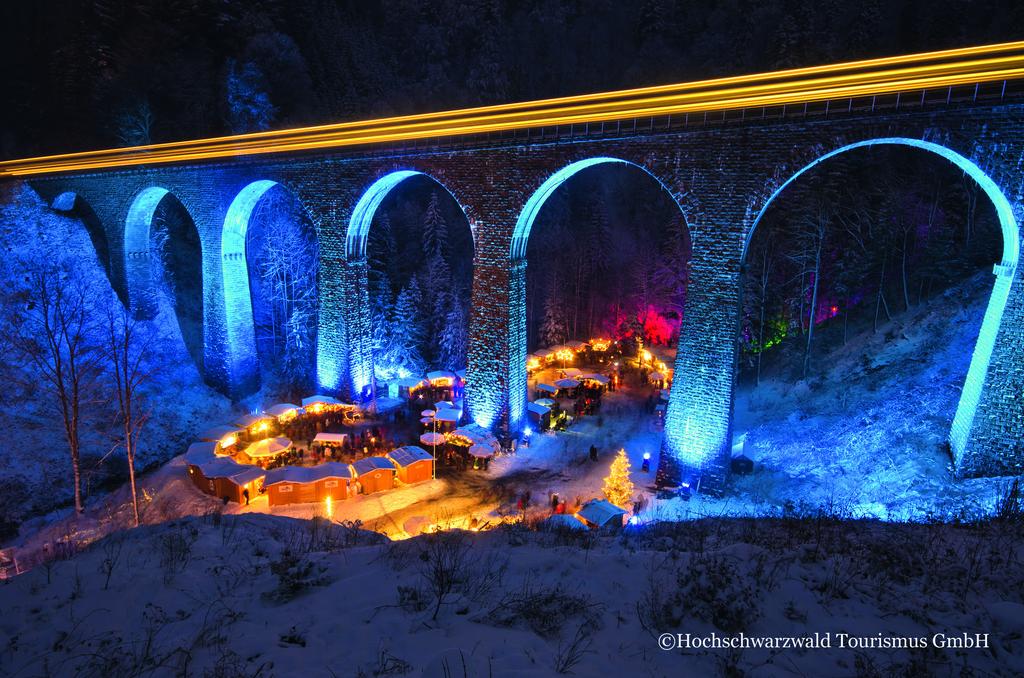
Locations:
(295, 575)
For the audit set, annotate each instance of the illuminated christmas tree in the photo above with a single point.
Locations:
(618, 488)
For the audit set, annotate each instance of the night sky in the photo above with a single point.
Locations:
(80, 75)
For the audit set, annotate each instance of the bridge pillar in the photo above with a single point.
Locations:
(344, 363)
(698, 420)
(987, 436)
(496, 391)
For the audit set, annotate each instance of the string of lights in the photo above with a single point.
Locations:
(866, 78)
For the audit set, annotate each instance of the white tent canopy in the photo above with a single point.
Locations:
(432, 438)
(330, 438)
(448, 415)
(481, 451)
(271, 447)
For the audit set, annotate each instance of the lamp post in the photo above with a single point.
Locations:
(433, 465)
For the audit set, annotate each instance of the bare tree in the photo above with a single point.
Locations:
(53, 330)
(809, 232)
(127, 350)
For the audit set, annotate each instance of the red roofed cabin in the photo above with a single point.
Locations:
(374, 474)
(221, 477)
(414, 464)
(303, 485)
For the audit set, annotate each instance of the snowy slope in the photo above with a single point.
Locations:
(868, 433)
(35, 469)
(271, 596)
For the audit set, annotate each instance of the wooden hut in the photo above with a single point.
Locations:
(539, 414)
(413, 464)
(221, 477)
(226, 437)
(308, 484)
(374, 474)
(283, 412)
(601, 514)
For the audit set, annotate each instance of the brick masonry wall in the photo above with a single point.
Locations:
(722, 177)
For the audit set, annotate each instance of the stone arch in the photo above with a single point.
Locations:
(140, 277)
(241, 359)
(355, 354)
(366, 208)
(524, 224)
(1005, 272)
(517, 253)
(137, 256)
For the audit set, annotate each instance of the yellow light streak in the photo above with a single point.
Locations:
(856, 79)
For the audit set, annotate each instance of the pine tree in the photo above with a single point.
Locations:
(454, 338)
(618, 488)
(435, 230)
(553, 328)
(407, 330)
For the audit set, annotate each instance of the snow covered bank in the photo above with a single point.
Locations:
(234, 595)
(35, 473)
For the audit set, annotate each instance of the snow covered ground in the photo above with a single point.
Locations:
(868, 435)
(272, 596)
(35, 471)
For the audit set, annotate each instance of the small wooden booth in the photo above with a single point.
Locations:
(539, 414)
(374, 474)
(413, 464)
(255, 426)
(442, 384)
(221, 477)
(308, 484)
(601, 514)
(283, 412)
(226, 437)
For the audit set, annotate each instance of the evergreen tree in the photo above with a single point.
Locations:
(618, 488)
(435, 230)
(248, 105)
(454, 338)
(407, 331)
(553, 326)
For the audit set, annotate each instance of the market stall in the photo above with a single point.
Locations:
(373, 474)
(221, 477)
(413, 464)
(299, 485)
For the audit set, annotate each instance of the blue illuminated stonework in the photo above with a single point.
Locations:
(722, 174)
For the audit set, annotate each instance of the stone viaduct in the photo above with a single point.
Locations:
(723, 169)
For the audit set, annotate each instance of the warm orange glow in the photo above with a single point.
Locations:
(566, 354)
(228, 441)
(533, 363)
(328, 504)
(600, 344)
(871, 77)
